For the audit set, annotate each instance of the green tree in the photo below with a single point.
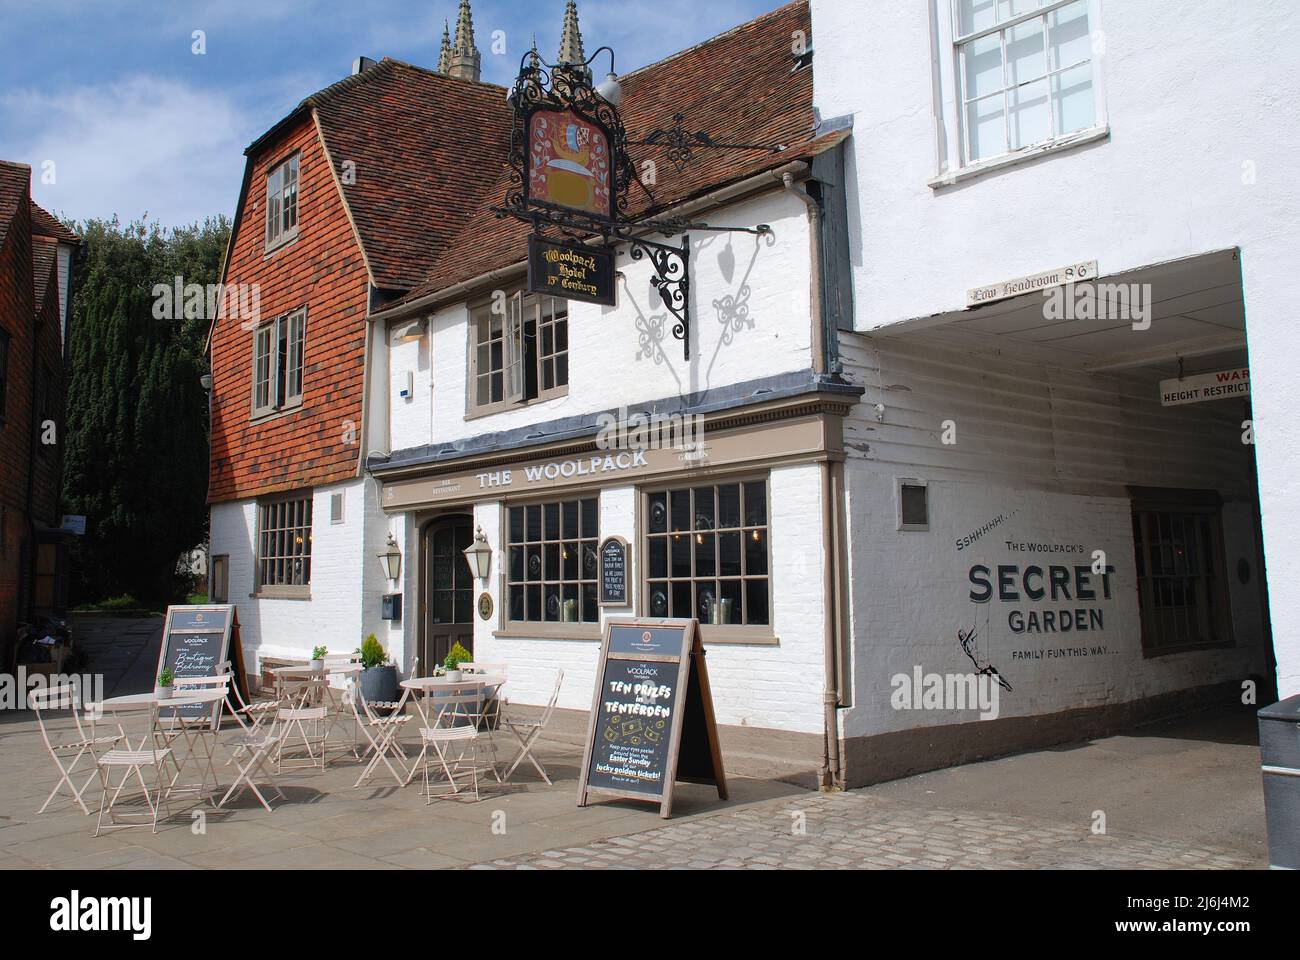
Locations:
(136, 455)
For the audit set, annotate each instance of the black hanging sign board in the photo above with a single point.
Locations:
(613, 572)
(196, 640)
(571, 271)
(652, 720)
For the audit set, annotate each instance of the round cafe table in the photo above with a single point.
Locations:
(423, 687)
(194, 735)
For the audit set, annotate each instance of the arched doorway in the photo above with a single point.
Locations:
(448, 587)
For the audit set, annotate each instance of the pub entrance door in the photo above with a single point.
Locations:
(448, 591)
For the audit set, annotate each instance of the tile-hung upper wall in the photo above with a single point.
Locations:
(323, 271)
(1031, 480)
(750, 319)
(775, 685)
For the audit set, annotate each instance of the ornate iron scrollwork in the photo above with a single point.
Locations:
(680, 143)
(672, 278)
(567, 87)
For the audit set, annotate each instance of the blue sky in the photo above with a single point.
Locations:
(110, 93)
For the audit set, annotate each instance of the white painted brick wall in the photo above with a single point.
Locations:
(333, 616)
(750, 318)
(911, 593)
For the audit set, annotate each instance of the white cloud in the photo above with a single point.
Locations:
(141, 144)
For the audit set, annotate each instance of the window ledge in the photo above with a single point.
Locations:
(284, 241)
(275, 595)
(263, 417)
(551, 631)
(719, 636)
(979, 168)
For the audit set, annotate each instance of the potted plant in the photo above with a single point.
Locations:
(318, 658)
(378, 676)
(455, 657)
(166, 683)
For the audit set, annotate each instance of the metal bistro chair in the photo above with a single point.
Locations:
(133, 762)
(527, 733)
(250, 716)
(455, 725)
(196, 730)
(494, 703)
(301, 719)
(257, 741)
(381, 733)
(42, 702)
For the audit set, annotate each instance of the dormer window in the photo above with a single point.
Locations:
(282, 203)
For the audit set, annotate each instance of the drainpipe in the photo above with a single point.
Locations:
(831, 775)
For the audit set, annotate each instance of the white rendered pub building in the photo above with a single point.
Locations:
(938, 509)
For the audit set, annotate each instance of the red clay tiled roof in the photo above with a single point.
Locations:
(44, 254)
(424, 146)
(15, 182)
(44, 224)
(739, 87)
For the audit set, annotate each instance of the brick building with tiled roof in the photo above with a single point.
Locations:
(35, 276)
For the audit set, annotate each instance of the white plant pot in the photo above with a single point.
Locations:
(163, 693)
(455, 676)
(318, 665)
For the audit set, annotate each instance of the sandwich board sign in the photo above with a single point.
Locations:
(652, 720)
(198, 639)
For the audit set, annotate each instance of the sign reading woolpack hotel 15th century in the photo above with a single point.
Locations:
(571, 271)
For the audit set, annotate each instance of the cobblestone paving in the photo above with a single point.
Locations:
(855, 831)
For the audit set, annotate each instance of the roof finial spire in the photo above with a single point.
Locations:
(464, 59)
(571, 39)
(444, 53)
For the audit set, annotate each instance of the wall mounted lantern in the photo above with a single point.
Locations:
(391, 559)
(479, 555)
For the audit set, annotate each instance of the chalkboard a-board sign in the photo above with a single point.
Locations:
(652, 720)
(613, 572)
(196, 640)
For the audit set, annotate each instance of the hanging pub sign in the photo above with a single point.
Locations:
(572, 271)
(652, 720)
(569, 163)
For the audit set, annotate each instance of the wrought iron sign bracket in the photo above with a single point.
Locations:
(672, 279)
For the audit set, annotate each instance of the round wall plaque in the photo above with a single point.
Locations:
(485, 606)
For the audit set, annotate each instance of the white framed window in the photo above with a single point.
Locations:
(1022, 78)
(278, 349)
(518, 352)
(284, 546)
(282, 203)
